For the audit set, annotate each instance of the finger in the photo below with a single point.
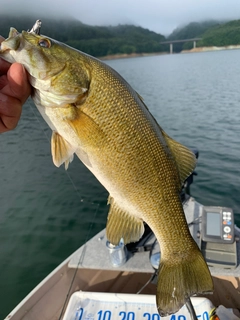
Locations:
(4, 66)
(10, 111)
(3, 81)
(18, 85)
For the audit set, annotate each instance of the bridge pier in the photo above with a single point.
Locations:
(171, 42)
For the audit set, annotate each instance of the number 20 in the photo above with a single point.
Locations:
(127, 316)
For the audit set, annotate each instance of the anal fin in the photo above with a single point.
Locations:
(122, 224)
(62, 151)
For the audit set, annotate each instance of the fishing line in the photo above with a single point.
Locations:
(80, 260)
(191, 309)
(77, 191)
(67, 173)
(39, 122)
(149, 281)
(198, 220)
(154, 273)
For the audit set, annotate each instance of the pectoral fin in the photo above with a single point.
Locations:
(90, 132)
(62, 151)
(121, 224)
(185, 158)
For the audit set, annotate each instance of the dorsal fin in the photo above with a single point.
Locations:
(185, 158)
(121, 224)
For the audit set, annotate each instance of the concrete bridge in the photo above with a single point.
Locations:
(171, 42)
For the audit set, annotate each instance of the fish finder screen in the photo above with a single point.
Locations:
(213, 224)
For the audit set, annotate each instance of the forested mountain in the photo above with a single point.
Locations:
(212, 33)
(189, 31)
(192, 30)
(94, 40)
(221, 35)
(126, 39)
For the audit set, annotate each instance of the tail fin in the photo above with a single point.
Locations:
(179, 280)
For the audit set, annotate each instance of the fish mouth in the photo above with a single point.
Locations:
(13, 33)
(12, 42)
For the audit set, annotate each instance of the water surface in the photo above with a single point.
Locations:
(47, 213)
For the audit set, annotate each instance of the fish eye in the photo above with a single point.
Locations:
(45, 43)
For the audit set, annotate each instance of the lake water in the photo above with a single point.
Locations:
(47, 213)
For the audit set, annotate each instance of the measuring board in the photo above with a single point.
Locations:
(114, 306)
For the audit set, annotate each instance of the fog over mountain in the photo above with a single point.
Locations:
(159, 16)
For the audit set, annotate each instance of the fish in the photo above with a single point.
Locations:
(97, 116)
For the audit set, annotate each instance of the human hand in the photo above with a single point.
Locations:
(14, 91)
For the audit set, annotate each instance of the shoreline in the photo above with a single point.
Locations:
(212, 48)
(193, 50)
(131, 55)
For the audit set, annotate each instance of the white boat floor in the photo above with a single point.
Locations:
(95, 255)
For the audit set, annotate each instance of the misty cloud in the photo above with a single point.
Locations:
(161, 16)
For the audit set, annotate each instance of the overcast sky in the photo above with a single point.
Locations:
(161, 16)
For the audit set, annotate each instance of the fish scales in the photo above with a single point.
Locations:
(95, 114)
(123, 126)
(116, 119)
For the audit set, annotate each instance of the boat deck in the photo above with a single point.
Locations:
(89, 269)
(95, 254)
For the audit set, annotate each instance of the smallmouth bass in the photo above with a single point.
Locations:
(95, 114)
